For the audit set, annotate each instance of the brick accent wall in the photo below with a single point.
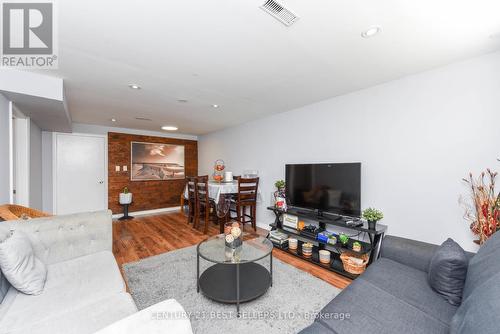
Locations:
(147, 195)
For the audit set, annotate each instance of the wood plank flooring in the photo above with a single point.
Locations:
(152, 235)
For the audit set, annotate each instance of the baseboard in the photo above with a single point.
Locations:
(149, 212)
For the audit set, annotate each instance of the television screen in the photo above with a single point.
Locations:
(334, 187)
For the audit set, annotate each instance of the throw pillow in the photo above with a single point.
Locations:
(447, 271)
(21, 267)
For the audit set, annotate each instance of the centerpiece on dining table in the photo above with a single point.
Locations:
(219, 167)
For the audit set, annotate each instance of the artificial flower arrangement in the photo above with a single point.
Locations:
(483, 210)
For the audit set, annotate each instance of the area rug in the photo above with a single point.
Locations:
(287, 307)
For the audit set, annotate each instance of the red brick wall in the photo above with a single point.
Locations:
(147, 195)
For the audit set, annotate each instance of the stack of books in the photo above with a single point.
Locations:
(278, 238)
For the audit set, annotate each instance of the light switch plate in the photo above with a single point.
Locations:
(125, 168)
(117, 168)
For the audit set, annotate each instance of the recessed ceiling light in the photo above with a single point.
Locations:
(370, 32)
(113, 120)
(215, 105)
(134, 86)
(169, 128)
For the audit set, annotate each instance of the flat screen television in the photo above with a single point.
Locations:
(333, 188)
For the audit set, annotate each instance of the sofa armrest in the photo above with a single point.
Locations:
(61, 238)
(167, 316)
(416, 254)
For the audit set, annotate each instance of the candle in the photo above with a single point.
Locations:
(228, 176)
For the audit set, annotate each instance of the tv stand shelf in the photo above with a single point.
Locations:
(371, 247)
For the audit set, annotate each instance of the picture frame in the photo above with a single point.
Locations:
(156, 161)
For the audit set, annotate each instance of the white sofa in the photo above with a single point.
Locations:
(84, 291)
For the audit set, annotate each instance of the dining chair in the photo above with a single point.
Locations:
(246, 198)
(205, 207)
(191, 187)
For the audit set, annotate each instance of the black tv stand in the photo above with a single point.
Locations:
(370, 247)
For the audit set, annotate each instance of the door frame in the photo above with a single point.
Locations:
(54, 165)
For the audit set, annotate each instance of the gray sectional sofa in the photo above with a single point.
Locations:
(393, 295)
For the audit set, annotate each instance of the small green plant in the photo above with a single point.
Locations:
(280, 184)
(344, 239)
(356, 244)
(125, 190)
(372, 214)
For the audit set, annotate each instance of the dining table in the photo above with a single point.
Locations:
(218, 191)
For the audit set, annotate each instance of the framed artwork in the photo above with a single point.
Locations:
(151, 161)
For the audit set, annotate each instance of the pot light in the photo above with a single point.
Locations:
(370, 32)
(134, 86)
(215, 105)
(169, 128)
(113, 120)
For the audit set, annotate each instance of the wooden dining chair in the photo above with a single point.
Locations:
(205, 207)
(246, 198)
(191, 187)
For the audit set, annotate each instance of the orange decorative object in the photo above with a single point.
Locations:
(301, 225)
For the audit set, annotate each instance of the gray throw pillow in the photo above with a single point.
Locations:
(447, 271)
(20, 266)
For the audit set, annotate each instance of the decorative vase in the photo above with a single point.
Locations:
(372, 224)
(125, 198)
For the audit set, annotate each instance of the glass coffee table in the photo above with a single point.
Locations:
(235, 277)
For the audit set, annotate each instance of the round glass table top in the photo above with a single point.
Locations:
(252, 249)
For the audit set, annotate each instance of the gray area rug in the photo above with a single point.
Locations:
(287, 307)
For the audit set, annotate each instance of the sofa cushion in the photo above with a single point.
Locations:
(4, 287)
(20, 266)
(317, 328)
(70, 285)
(155, 319)
(85, 319)
(483, 265)
(447, 271)
(409, 285)
(369, 306)
(479, 312)
(4, 283)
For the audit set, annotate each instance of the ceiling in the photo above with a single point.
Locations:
(234, 54)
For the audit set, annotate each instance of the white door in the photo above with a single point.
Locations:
(80, 183)
(21, 162)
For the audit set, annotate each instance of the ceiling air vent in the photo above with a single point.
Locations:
(144, 119)
(279, 12)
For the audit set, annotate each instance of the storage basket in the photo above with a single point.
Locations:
(352, 266)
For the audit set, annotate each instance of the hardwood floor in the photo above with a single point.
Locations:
(152, 235)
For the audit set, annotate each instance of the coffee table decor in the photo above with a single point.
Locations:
(235, 277)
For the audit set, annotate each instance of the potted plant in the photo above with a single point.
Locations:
(279, 195)
(372, 216)
(344, 239)
(280, 185)
(356, 246)
(125, 196)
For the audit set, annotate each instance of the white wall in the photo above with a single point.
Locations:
(416, 137)
(5, 150)
(35, 183)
